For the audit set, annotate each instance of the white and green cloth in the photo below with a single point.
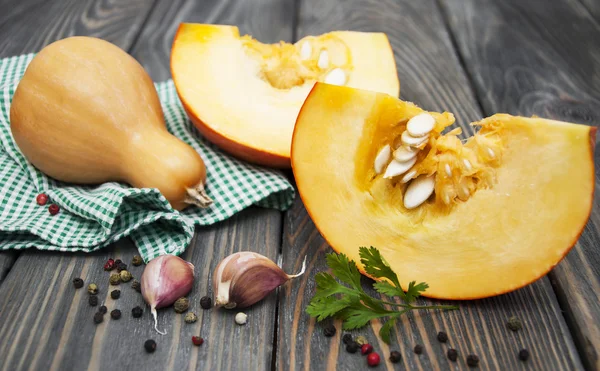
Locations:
(92, 217)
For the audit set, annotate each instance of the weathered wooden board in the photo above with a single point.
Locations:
(543, 58)
(27, 26)
(432, 77)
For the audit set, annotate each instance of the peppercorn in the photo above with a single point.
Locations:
(206, 302)
(150, 346)
(137, 312)
(98, 317)
(114, 279)
(418, 349)
(126, 276)
(523, 354)
(115, 314)
(442, 337)
(121, 267)
(514, 324)
(109, 265)
(117, 262)
(361, 340)
(352, 347)
(190, 317)
(53, 209)
(137, 260)
(329, 331)
(181, 305)
(395, 356)
(136, 285)
(373, 359)
(93, 288)
(366, 349)
(452, 354)
(41, 199)
(93, 300)
(78, 283)
(346, 338)
(197, 340)
(472, 360)
(115, 294)
(103, 309)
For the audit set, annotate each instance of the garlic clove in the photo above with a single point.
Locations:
(244, 278)
(164, 280)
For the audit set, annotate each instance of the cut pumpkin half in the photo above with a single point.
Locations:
(473, 218)
(244, 95)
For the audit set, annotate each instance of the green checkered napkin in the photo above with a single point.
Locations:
(92, 217)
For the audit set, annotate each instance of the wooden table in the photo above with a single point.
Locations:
(471, 57)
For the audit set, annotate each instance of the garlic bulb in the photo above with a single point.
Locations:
(166, 279)
(244, 278)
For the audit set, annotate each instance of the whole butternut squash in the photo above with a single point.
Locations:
(87, 112)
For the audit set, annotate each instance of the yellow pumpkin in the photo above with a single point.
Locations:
(505, 207)
(87, 112)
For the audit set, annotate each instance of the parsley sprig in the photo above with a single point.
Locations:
(347, 300)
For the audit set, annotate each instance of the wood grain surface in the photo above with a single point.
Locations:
(525, 62)
(432, 77)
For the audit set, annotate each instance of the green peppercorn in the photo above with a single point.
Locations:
(136, 286)
(125, 276)
(361, 340)
(181, 305)
(190, 317)
(137, 260)
(93, 288)
(115, 279)
(115, 294)
(514, 324)
(78, 283)
(93, 300)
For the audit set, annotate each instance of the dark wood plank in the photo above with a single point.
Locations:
(27, 26)
(593, 7)
(431, 76)
(535, 61)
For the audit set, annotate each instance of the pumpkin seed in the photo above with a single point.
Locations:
(396, 168)
(467, 164)
(409, 140)
(418, 191)
(323, 62)
(305, 51)
(408, 176)
(337, 76)
(420, 125)
(448, 170)
(382, 158)
(404, 153)
(491, 153)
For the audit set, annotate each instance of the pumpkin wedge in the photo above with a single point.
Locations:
(244, 95)
(495, 213)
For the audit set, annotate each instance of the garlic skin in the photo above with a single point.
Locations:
(166, 279)
(244, 278)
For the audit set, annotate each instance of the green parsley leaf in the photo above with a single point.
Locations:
(385, 288)
(326, 307)
(376, 266)
(415, 290)
(386, 329)
(327, 286)
(344, 269)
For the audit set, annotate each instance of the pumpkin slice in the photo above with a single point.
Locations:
(507, 204)
(244, 95)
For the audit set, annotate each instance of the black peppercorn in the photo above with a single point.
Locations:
(115, 294)
(418, 349)
(103, 309)
(121, 267)
(98, 317)
(352, 347)
(523, 354)
(150, 346)
(93, 300)
(472, 360)
(347, 338)
(137, 312)
(452, 354)
(329, 331)
(137, 260)
(78, 283)
(442, 337)
(395, 356)
(136, 286)
(117, 262)
(115, 314)
(206, 302)
(514, 324)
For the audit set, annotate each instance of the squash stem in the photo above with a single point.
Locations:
(197, 196)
